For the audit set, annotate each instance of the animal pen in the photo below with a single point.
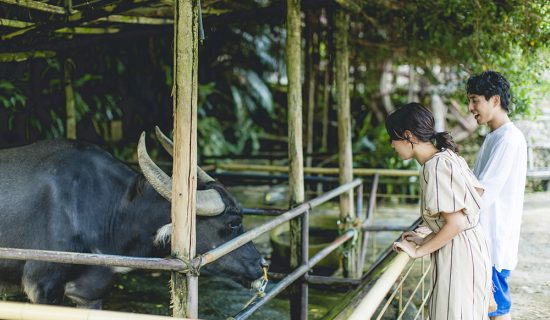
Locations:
(77, 17)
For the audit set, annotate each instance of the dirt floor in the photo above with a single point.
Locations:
(530, 282)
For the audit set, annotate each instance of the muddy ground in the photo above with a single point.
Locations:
(530, 282)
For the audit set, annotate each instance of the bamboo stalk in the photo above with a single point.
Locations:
(93, 259)
(36, 5)
(14, 23)
(87, 30)
(27, 311)
(75, 30)
(75, 18)
(136, 20)
(327, 171)
(376, 294)
(22, 56)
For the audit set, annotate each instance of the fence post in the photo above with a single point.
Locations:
(295, 151)
(347, 214)
(185, 286)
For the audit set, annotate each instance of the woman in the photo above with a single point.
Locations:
(450, 203)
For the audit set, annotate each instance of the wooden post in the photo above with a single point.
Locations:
(185, 286)
(297, 296)
(310, 80)
(327, 81)
(345, 164)
(69, 98)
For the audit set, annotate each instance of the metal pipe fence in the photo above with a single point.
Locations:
(279, 217)
(210, 256)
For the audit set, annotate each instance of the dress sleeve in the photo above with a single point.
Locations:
(446, 187)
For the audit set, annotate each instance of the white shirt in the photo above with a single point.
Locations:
(501, 167)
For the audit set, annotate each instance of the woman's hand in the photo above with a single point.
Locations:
(412, 236)
(407, 247)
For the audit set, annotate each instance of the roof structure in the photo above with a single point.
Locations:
(38, 29)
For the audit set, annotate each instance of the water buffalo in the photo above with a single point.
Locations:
(68, 195)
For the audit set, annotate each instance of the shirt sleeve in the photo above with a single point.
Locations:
(446, 188)
(497, 170)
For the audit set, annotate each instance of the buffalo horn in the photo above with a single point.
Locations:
(168, 145)
(209, 202)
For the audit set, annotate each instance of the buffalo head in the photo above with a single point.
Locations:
(219, 217)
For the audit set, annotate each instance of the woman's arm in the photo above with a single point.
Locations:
(454, 224)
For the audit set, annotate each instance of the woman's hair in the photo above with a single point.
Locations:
(419, 121)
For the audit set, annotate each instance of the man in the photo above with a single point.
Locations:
(501, 167)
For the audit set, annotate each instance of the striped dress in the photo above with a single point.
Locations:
(461, 270)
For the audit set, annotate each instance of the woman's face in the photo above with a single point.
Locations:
(403, 149)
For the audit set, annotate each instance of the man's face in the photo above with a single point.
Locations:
(483, 109)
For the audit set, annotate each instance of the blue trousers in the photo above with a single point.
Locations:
(501, 292)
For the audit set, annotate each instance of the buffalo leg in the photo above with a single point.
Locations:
(88, 289)
(43, 282)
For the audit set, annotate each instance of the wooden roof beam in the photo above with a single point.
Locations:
(14, 23)
(22, 56)
(136, 20)
(72, 30)
(36, 5)
(76, 18)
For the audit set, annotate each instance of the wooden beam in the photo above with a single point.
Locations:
(136, 20)
(36, 5)
(184, 187)
(76, 18)
(14, 23)
(325, 171)
(22, 56)
(87, 30)
(74, 30)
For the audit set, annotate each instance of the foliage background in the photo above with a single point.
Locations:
(242, 93)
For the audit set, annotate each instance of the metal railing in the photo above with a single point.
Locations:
(303, 210)
(212, 255)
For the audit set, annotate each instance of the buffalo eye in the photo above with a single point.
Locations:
(235, 224)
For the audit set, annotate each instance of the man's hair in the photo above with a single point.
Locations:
(488, 84)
